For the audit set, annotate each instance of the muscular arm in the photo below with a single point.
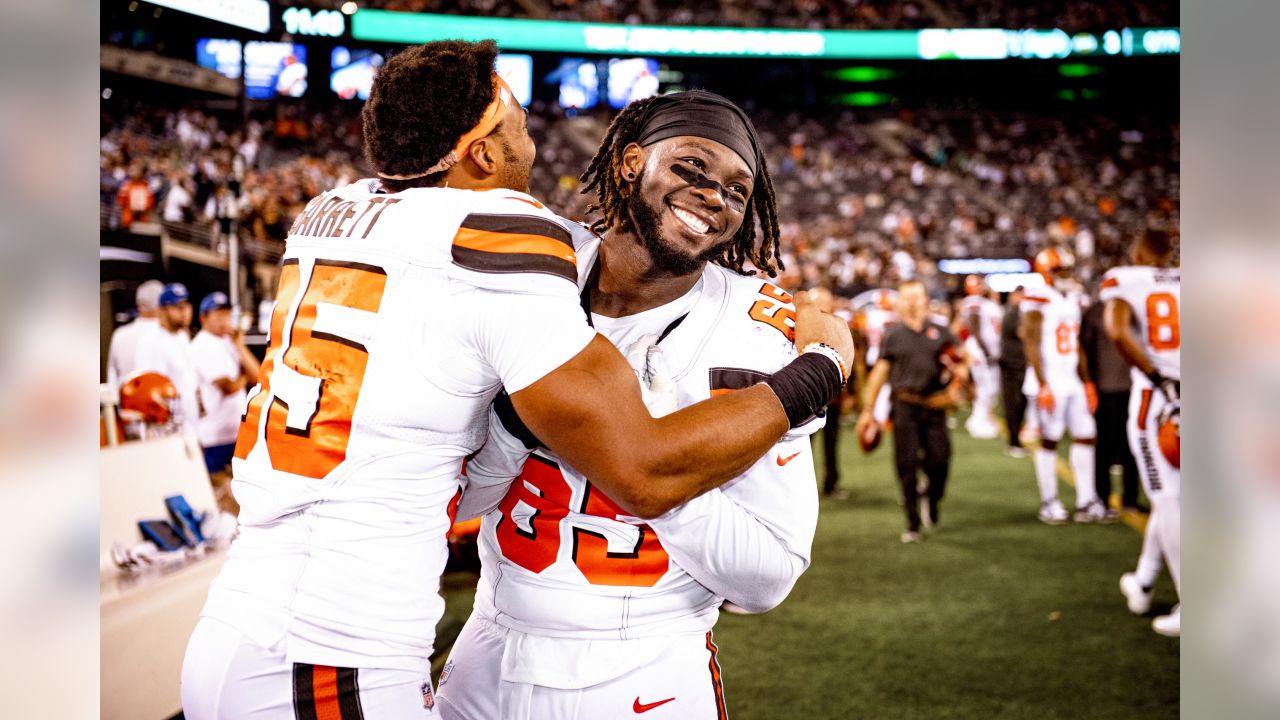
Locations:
(590, 412)
(1031, 327)
(749, 542)
(1118, 321)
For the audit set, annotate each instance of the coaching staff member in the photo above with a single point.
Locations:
(924, 363)
(1013, 371)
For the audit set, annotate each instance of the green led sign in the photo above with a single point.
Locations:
(579, 37)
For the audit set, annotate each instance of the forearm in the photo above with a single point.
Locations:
(694, 453)
(875, 381)
(1118, 323)
(730, 551)
(1133, 353)
(590, 412)
(1031, 345)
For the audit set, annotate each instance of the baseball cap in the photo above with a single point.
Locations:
(214, 301)
(148, 295)
(173, 294)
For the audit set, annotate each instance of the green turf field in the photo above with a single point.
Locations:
(994, 616)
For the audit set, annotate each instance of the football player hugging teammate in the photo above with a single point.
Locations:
(583, 610)
(405, 303)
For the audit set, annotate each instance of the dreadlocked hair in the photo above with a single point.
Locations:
(425, 98)
(604, 177)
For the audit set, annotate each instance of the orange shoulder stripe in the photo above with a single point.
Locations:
(499, 242)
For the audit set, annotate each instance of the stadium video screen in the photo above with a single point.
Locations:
(579, 82)
(272, 69)
(631, 79)
(517, 71)
(353, 71)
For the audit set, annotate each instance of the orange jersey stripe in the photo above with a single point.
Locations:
(493, 242)
(325, 688)
(1109, 283)
(717, 684)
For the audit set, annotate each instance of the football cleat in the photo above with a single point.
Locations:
(1169, 625)
(911, 536)
(1137, 597)
(1052, 513)
(1095, 512)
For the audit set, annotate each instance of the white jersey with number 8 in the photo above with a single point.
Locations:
(1059, 339)
(1155, 296)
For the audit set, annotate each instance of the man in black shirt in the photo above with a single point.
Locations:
(1111, 371)
(925, 365)
(1013, 371)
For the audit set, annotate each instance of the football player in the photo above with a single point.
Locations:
(1142, 317)
(405, 302)
(982, 317)
(1058, 387)
(583, 610)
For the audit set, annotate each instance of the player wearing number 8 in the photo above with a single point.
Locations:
(585, 611)
(404, 303)
(1142, 317)
(1058, 387)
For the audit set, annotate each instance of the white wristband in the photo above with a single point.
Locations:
(830, 352)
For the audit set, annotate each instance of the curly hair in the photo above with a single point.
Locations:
(423, 99)
(604, 177)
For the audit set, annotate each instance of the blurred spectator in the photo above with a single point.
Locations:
(122, 358)
(168, 351)
(865, 199)
(224, 368)
(135, 198)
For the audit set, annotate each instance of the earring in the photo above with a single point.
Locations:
(629, 177)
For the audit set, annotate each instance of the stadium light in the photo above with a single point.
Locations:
(349, 8)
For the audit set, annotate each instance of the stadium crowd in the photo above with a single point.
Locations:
(864, 200)
(1073, 16)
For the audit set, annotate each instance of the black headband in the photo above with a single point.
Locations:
(701, 114)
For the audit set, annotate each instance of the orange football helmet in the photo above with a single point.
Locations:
(1169, 433)
(149, 398)
(1050, 261)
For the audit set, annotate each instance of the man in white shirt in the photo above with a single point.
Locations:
(168, 350)
(224, 368)
(122, 357)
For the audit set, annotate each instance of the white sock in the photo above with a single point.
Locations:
(1170, 537)
(1046, 474)
(1081, 457)
(1150, 560)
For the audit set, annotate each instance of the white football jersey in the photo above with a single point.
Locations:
(1059, 337)
(874, 316)
(1155, 296)
(561, 560)
(398, 318)
(989, 320)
